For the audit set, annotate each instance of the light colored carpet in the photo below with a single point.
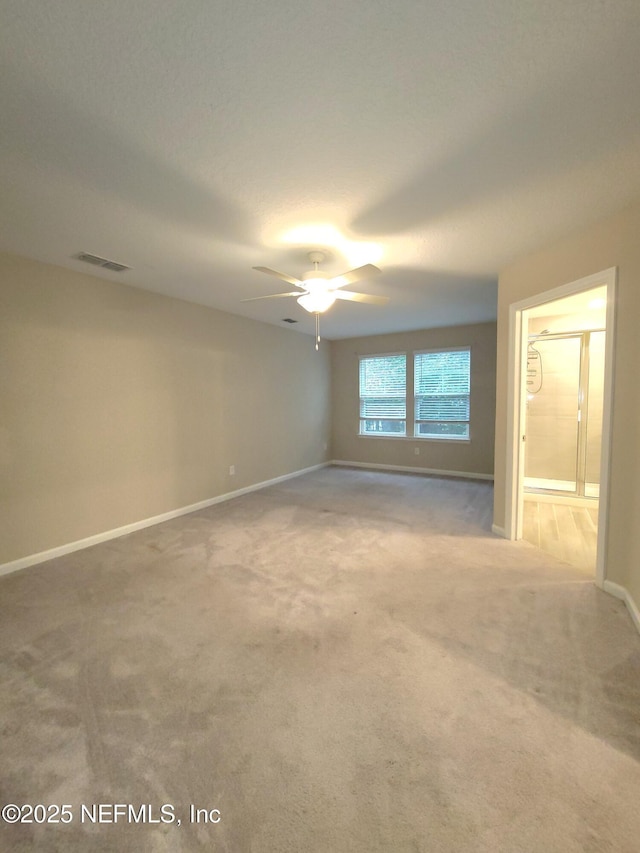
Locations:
(348, 661)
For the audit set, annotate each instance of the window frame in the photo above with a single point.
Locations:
(404, 420)
(410, 357)
(418, 421)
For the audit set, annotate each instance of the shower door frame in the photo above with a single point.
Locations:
(582, 410)
(516, 401)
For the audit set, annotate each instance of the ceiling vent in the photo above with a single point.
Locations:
(100, 262)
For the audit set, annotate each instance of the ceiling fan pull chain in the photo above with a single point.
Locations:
(317, 331)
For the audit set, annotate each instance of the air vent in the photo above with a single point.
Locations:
(288, 320)
(100, 262)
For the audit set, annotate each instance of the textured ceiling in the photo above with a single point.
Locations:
(192, 140)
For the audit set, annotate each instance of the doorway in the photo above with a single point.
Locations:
(557, 474)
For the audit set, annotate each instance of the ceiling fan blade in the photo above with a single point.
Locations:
(355, 275)
(351, 296)
(272, 296)
(281, 275)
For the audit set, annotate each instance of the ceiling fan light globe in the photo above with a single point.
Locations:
(318, 302)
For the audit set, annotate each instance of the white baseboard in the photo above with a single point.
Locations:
(622, 593)
(438, 472)
(499, 531)
(70, 547)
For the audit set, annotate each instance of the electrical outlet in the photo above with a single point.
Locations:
(232, 470)
(416, 451)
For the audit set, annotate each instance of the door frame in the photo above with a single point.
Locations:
(516, 401)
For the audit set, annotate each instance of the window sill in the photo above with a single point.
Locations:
(445, 439)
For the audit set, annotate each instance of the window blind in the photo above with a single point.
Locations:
(441, 388)
(383, 387)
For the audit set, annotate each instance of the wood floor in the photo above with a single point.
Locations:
(569, 533)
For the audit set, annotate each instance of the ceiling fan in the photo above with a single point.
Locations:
(319, 292)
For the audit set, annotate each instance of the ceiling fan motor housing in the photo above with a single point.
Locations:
(314, 279)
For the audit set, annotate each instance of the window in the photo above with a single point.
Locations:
(441, 386)
(441, 389)
(383, 395)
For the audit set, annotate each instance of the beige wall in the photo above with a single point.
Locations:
(475, 456)
(613, 242)
(118, 405)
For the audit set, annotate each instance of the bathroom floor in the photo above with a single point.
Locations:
(569, 533)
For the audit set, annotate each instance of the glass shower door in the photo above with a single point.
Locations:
(551, 425)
